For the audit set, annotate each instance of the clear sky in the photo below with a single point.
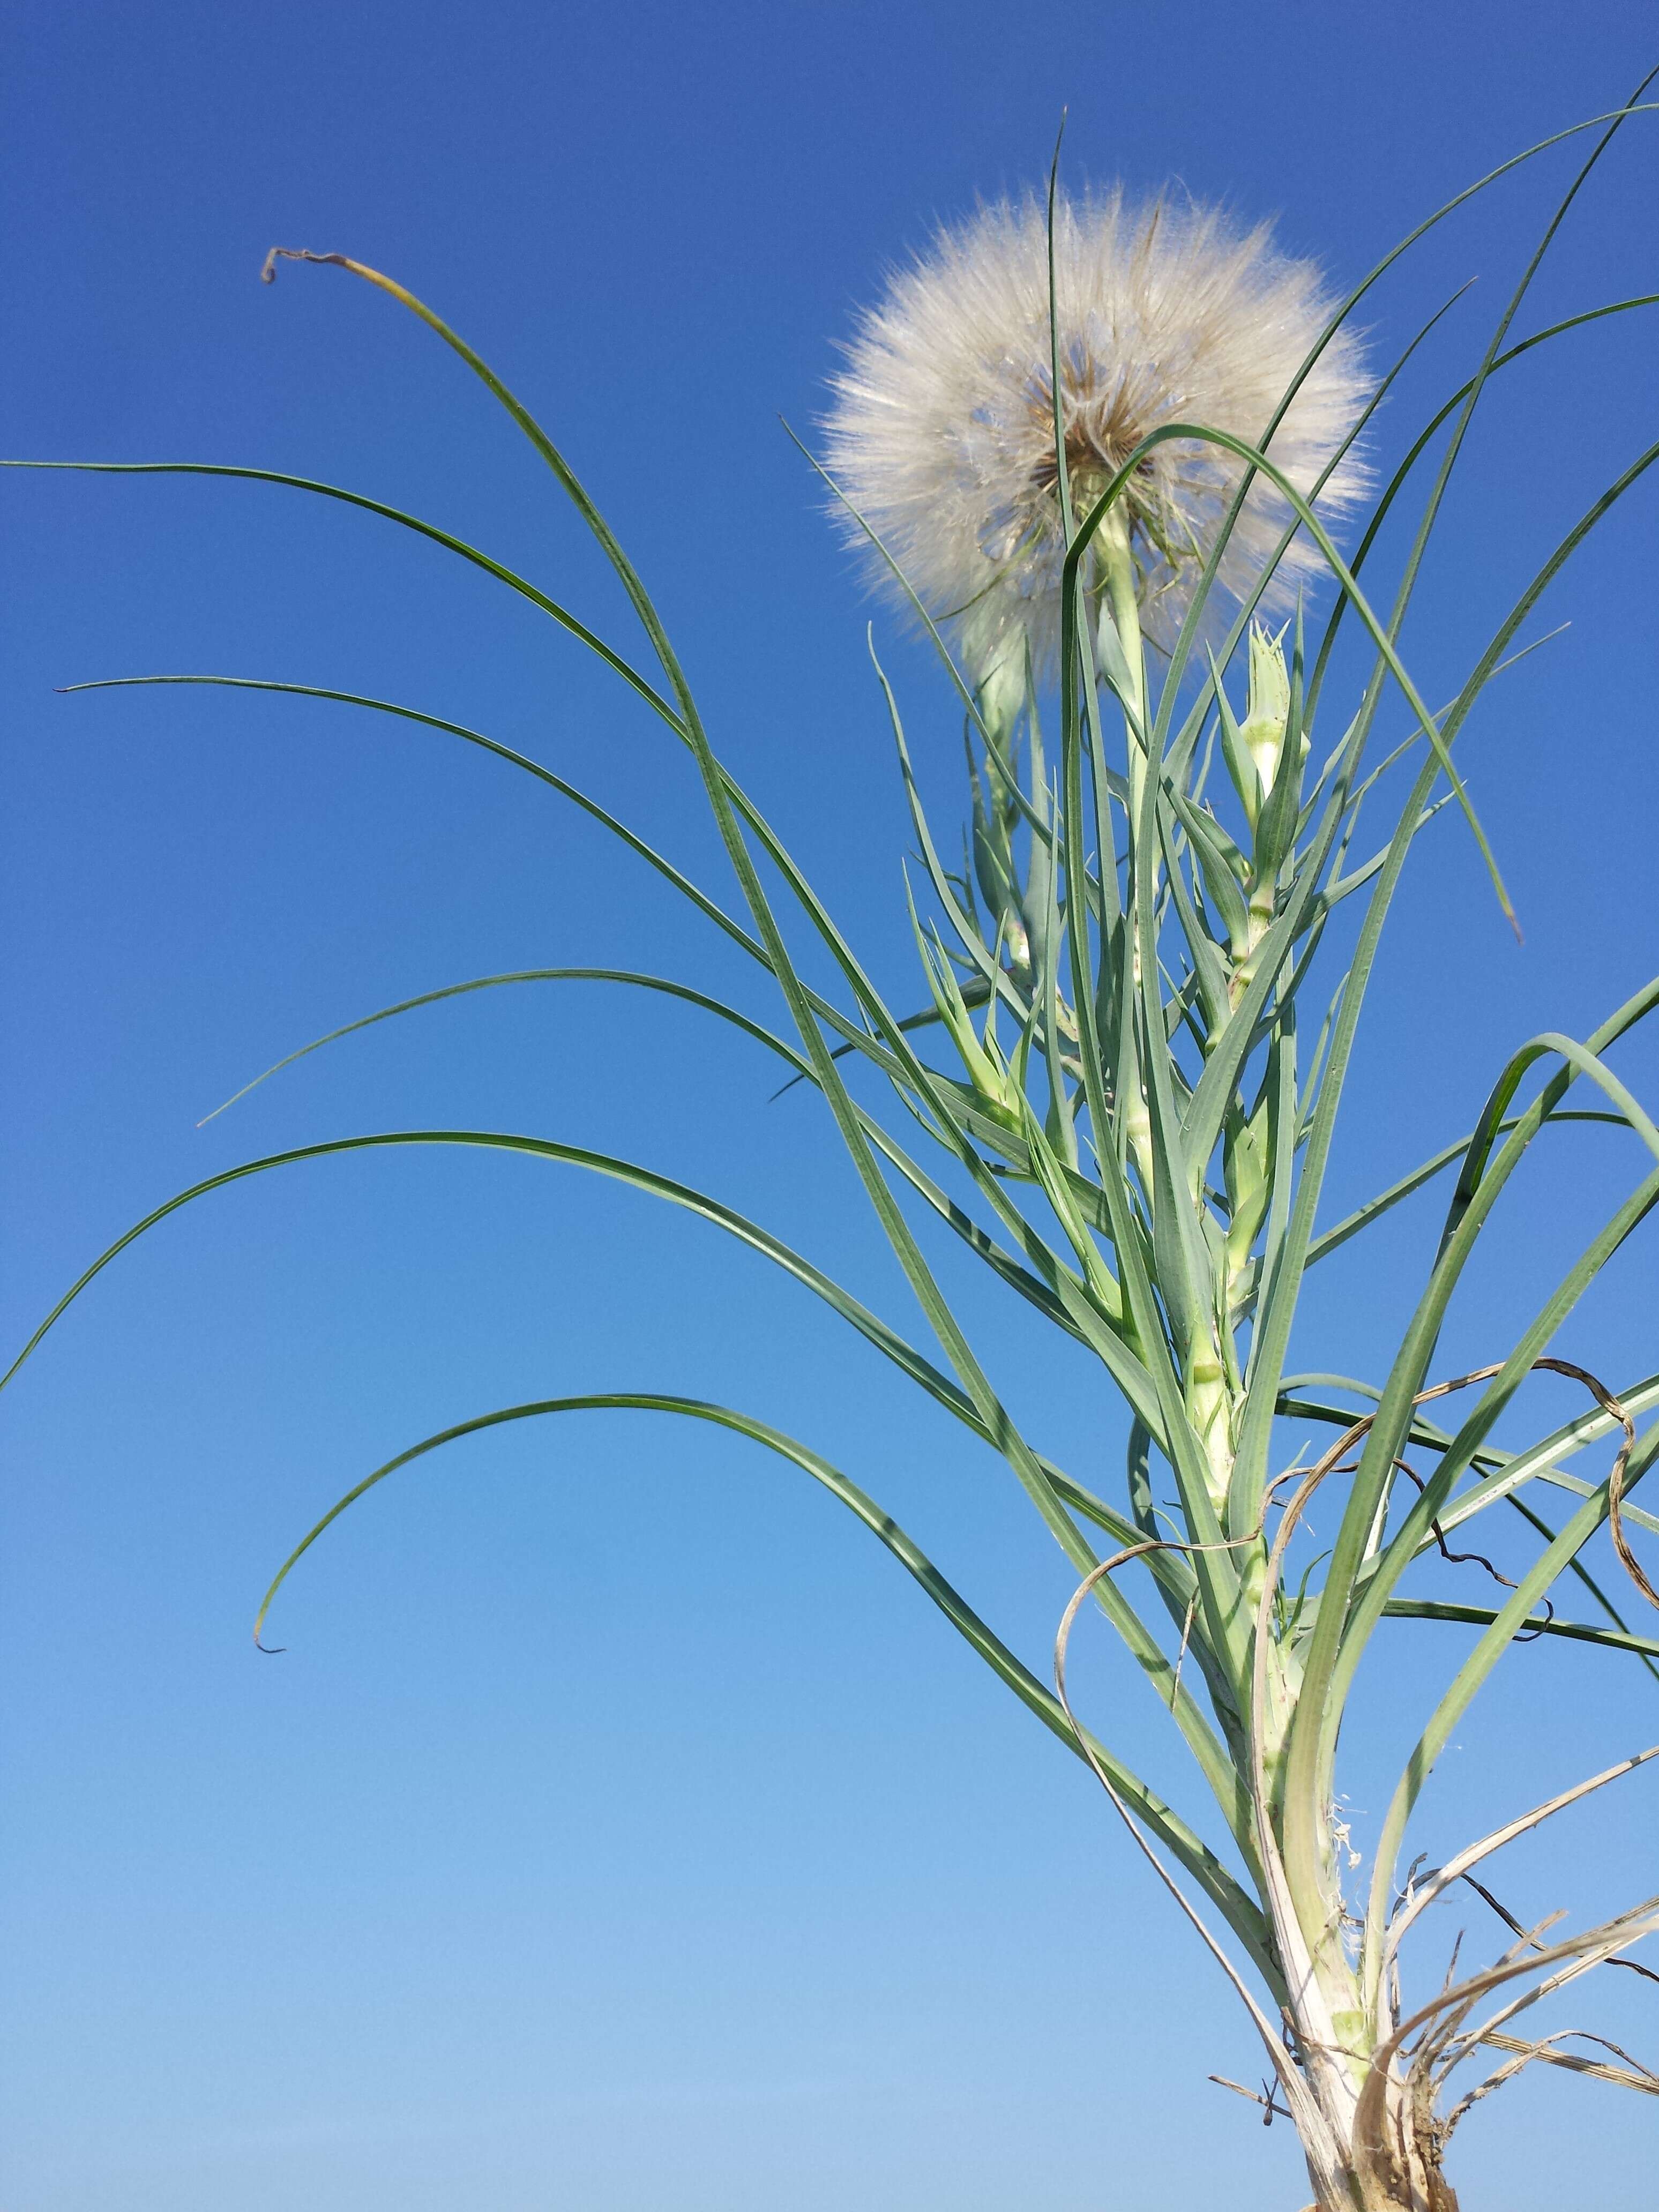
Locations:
(619, 1828)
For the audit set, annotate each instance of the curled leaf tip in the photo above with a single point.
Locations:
(268, 273)
(271, 1650)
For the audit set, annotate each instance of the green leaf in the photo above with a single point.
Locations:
(1386, 1201)
(1501, 1473)
(1483, 1616)
(851, 1309)
(1509, 1620)
(1192, 626)
(566, 620)
(1242, 1914)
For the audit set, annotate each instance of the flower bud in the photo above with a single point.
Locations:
(1268, 709)
(996, 665)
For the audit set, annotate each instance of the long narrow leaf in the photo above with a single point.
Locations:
(1242, 1914)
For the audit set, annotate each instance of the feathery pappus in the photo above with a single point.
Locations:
(942, 430)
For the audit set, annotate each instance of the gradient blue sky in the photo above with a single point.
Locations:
(620, 1829)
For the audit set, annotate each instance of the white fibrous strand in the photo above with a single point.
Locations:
(942, 434)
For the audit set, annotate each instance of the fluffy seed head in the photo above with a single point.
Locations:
(942, 432)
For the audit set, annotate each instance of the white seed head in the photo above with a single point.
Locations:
(942, 432)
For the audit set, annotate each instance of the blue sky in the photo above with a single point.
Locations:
(619, 1829)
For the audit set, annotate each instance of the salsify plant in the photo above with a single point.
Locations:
(1098, 452)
